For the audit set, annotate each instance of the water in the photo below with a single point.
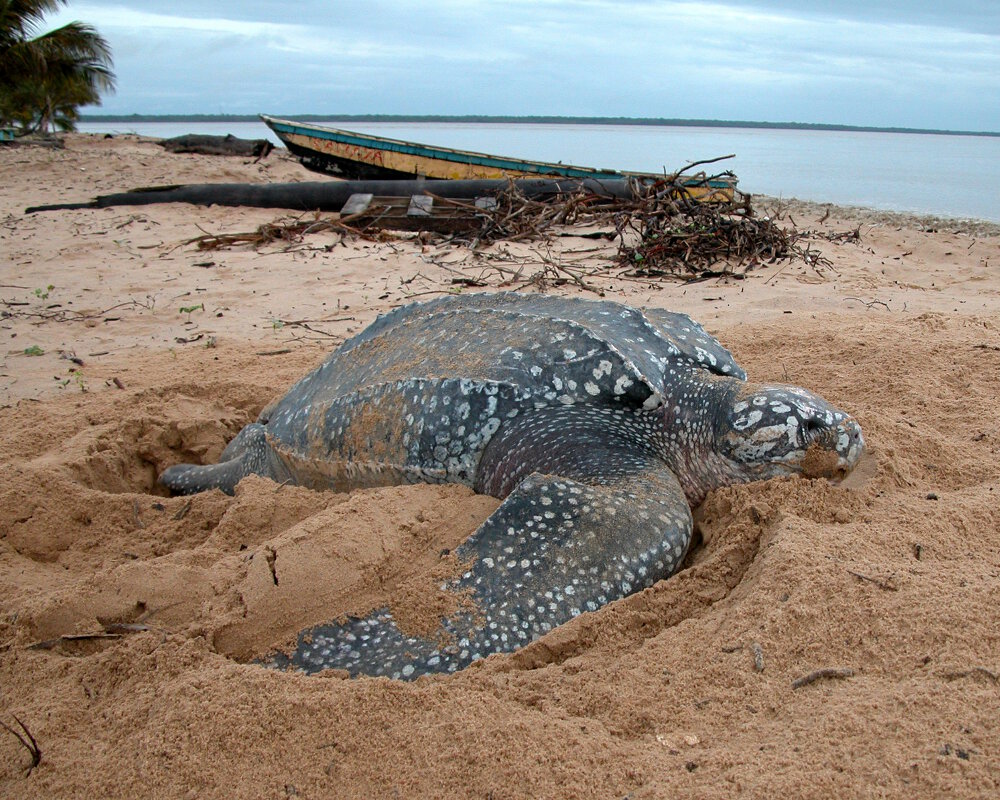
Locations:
(953, 176)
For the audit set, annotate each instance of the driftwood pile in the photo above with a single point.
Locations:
(667, 232)
(664, 231)
(516, 217)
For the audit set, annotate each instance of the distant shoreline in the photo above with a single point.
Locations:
(530, 120)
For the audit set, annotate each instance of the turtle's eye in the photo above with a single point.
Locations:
(810, 428)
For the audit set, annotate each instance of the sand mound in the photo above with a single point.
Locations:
(821, 640)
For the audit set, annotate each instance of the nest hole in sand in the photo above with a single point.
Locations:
(128, 456)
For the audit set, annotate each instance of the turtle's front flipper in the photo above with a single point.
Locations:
(247, 454)
(556, 547)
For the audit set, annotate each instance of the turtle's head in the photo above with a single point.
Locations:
(772, 430)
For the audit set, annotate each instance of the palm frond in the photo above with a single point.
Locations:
(44, 78)
(21, 19)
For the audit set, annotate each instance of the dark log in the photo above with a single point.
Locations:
(227, 145)
(331, 195)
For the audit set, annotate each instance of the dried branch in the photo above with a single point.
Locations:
(973, 672)
(821, 674)
(27, 740)
(56, 313)
(291, 230)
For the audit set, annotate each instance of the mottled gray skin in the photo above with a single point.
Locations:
(598, 425)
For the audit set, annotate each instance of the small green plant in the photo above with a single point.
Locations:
(191, 309)
(277, 324)
(75, 376)
(43, 294)
(34, 350)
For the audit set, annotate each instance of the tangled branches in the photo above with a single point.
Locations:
(667, 233)
(684, 226)
(288, 230)
(516, 217)
(681, 226)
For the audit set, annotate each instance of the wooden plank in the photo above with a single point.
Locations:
(356, 204)
(416, 213)
(421, 205)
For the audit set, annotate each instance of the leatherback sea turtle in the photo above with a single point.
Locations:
(599, 425)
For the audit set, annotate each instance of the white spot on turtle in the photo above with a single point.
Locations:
(603, 368)
(622, 384)
(751, 419)
(705, 356)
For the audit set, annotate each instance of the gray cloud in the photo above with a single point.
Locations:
(868, 63)
(977, 16)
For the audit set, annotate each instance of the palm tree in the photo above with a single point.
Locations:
(45, 78)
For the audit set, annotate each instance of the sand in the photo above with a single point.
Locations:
(127, 617)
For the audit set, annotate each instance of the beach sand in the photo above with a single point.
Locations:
(127, 617)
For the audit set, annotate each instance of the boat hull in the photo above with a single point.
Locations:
(347, 165)
(349, 154)
(359, 156)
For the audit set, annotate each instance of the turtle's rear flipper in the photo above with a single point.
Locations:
(556, 547)
(248, 454)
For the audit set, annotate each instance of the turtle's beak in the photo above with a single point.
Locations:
(850, 445)
(835, 451)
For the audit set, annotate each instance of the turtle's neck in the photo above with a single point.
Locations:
(687, 425)
(594, 443)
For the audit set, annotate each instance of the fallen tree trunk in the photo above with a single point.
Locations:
(331, 195)
(227, 145)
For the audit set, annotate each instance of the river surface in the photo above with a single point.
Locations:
(952, 176)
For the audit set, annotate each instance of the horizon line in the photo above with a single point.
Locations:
(534, 119)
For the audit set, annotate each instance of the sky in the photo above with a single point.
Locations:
(905, 63)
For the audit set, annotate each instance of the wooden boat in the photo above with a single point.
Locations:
(364, 156)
